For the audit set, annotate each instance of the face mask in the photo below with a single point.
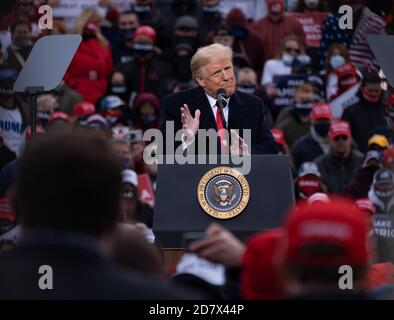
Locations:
(303, 108)
(276, 8)
(251, 89)
(22, 41)
(118, 89)
(210, 9)
(287, 59)
(6, 91)
(311, 4)
(143, 48)
(303, 59)
(308, 185)
(143, 9)
(370, 97)
(337, 61)
(43, 116)
(240, 33)
(322, 129)
(304, 105)
(148, 119)
(125, 161)
(384, 194)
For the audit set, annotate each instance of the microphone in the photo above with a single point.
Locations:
(221, 103)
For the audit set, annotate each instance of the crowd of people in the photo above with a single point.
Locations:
(327, 104)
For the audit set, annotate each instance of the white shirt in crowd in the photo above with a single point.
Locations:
(332, 85)
(12, 129)
(274, 67)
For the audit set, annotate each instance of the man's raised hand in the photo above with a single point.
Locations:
(190, 124)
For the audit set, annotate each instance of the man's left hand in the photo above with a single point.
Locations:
(238, 146)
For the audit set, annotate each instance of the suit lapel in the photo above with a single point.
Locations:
(200, 101)
(236, 112)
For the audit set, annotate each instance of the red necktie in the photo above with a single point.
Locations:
(220, 126)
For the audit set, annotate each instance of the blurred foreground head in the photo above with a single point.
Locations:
(319, 238)
(69, 181)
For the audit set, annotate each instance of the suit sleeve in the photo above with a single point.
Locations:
(171, 114)
(265, 143)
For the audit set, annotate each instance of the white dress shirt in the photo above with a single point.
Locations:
(212, 103)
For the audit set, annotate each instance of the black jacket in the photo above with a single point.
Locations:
(337, 173)
(245, 112)
(78, 273)
(305, 149)
(156, 75)
(363, 118)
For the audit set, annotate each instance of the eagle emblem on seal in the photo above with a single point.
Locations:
(224, 193)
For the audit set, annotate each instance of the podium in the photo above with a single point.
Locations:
(179, 188)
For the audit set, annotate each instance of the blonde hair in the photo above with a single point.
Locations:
(283, 43)
(204, 55)
(88, 14)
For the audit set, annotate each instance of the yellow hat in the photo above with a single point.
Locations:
(380, 140)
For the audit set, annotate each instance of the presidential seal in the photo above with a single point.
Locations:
(223, 193)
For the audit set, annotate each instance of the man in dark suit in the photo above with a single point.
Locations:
(197, 108)
(67, 197)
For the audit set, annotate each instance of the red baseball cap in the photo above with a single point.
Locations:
(279, 136)
(340, 128)
(84, 108)
(260, 278)
(366, 205)
(347, 69)
(58, 115)
(321, 110)
(338, 229)
(146, 31)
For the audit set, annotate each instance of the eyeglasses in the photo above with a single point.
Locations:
(288, 50)
(344, 138)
